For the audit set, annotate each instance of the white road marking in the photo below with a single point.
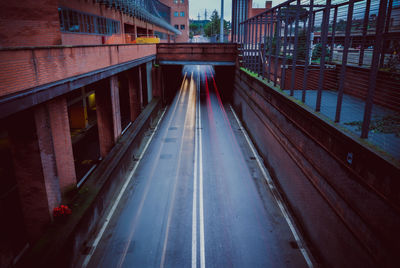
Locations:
(122, 191)
(194, 209)
(190, 113)
(276, 195)
(201, 208)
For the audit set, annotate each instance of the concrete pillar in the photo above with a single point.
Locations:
(108, 114)
(58, 112)
(156, 78)
(149, 66)
(140, 87)
(133, 88)
(35, 168)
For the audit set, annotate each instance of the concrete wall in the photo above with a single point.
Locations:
(348, 210)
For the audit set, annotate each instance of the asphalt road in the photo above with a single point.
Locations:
(198, 197)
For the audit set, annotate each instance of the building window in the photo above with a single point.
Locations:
(182, 26)
(176, 26)
(182, 1)
(176, 14)
(80, 22)
(175, 1)
(182, 14)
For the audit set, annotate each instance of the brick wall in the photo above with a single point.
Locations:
(22, 69)
(179, 7)
(29, 23)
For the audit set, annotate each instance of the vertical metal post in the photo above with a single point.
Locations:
(245, 46)
(265, 42)
(259, 45)
(374, 69)
(324, 37)
(270, 41)
(252, 45)
(285, 34)
(333, 33)
(255, 46)
(234, 31)
(296, 39)
(342, 76)
(364, 32)
(307, 52)
(221, 26)
(278, 46)
(388, 15)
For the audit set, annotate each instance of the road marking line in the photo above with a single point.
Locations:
(113, 208)
(276, 195)
(194, 209)
(201, 208)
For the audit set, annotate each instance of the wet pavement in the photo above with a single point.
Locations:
(197, 197)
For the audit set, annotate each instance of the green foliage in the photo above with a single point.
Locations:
(317, 51)
(381, 124)
(302, 46)
(213, 27)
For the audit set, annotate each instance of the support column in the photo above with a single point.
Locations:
(108, 114)
(58, 112)
(140, 87)
(35, 168)
(149, 66)
(133, 88)
(156, 81)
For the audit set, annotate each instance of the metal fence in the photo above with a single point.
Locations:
(340, 57)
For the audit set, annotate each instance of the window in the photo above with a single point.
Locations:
(182, 26)
(80, 22)
(176, 26)
(176, 14)
(182, 1)
(175, 1)
(182, 14)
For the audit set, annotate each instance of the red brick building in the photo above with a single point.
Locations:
(179, 17)
(243, 10)
(71, 82)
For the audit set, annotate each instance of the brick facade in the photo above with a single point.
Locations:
(179, 6)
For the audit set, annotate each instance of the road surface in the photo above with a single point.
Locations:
(198, 197)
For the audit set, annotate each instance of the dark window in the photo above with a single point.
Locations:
(182, 26)
(80, 22)
(61, 16)
(176, 26)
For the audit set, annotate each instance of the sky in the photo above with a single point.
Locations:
(198, 6)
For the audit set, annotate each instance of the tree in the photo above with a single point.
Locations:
(212, 28)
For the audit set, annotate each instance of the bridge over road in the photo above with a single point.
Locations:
(197, 53)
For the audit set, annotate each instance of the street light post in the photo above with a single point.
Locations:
(221, 27)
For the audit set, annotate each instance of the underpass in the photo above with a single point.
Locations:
(198, 195)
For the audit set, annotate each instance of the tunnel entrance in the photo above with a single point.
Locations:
(172, 78)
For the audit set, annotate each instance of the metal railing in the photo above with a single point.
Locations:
(340, 57)
(142, 9)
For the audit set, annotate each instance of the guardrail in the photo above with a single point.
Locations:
(339, 57)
